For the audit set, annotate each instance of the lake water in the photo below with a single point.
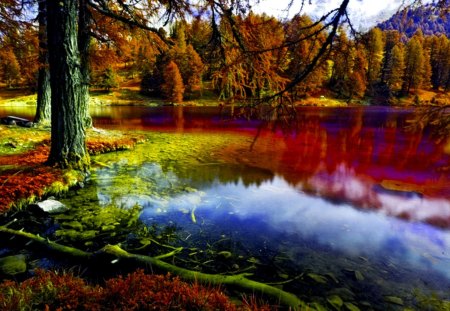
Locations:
(346, 203)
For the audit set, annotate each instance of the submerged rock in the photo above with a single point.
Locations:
(52, 206)
(12, 265)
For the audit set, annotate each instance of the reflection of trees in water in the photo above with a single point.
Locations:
(374, 146)
(226, 173)
(433, 119)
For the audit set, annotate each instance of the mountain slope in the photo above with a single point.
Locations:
(427, 18)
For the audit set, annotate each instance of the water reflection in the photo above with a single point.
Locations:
(273, 218)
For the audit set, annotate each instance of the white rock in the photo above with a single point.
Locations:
(52, 206)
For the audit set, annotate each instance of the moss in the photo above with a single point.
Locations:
(12, 265)
(85, 223)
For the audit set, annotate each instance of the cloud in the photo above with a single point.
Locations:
(363, 13)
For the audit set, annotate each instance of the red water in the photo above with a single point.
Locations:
(362, 155)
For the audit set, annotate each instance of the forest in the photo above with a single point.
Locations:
(179, 60)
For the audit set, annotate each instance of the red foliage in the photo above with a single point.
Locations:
(25, 184)
(34, 178)
(103, 145)
(140, 291)
(32, 157)
(60, 291)
(137, 291)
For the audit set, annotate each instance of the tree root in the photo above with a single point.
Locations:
(238, 280)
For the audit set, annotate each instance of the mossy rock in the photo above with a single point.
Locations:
(13, 265)
(336, 302)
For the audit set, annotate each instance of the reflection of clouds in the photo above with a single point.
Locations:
(341, 182)
(417, 208)
(283, 209)
(344, 184)
(341, 227)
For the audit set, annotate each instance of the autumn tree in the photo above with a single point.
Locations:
(9, 67)
(342, 64)
(302, 46)
(414, 63)
(108, 79)
(374, 55)
(357, 75)
(439, 60)
(426, 70)
(173, 87)
(396, 72)
(187, 59)
(392, 38)
(258, 72)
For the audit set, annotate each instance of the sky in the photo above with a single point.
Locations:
(363, 13)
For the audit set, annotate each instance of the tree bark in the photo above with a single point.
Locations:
(84, 38)
(43, 109)
(68, 137)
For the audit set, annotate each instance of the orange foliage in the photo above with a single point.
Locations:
(97, 145)
(33, 157)
(24, 184)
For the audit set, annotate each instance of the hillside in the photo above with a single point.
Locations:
(427, 18)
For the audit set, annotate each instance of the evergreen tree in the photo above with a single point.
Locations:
(414, 65)
(374, 55)
(439, 47)
(392, 39)
(9, 67)
(108, 79)
(426, 70)
(173, 87)
(395, 78)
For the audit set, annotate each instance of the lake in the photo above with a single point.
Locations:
(346, 202)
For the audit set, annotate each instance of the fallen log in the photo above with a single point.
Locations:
(239, 280)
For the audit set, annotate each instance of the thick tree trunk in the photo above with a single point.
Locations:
(84, 38)
(43, 109)
(68, 145)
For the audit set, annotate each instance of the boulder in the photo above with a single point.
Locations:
(52, 206)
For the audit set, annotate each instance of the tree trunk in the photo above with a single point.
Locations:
(68, 145)
(43, 109)
(83, 46)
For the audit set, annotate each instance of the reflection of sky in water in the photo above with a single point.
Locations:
(341, 227)
(277, 209)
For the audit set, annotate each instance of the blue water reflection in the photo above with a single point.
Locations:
(340, 227)
(284, 220)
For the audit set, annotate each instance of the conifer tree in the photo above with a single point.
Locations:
(173, 87)
(9, 67)
(426, 70)
(395, 79)
(414, 64)
(375, 48)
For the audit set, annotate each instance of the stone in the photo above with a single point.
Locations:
(52, 206)
(12, 265)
